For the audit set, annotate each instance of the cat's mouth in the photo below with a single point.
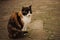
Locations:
(29, 15)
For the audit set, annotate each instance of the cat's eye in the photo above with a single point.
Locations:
(25, 11)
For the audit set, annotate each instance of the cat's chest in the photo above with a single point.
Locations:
(26, 19)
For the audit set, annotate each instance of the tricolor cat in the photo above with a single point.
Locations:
(18, 21)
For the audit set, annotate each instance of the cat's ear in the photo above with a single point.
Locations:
(22, 8)
(30, 6)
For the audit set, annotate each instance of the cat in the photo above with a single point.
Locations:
(18, 21)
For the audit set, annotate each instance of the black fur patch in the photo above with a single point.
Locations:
(26, 10)
(19, 20)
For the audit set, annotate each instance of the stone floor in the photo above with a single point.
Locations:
(45, 23)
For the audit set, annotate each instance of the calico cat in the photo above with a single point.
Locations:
(18, 21)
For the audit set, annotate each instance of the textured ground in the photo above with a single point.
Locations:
(45, 20)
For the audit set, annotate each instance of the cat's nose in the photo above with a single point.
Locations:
(28, 15)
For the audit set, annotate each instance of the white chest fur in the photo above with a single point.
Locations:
(26, 19)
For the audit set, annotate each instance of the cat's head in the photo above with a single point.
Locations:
(27, 11)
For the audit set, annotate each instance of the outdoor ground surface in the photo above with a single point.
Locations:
(45, 23)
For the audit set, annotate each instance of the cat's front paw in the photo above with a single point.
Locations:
(24, 29)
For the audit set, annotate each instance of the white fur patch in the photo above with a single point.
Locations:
(26, 19)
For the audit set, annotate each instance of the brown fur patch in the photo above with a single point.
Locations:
(12, 29)
(13, 16)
